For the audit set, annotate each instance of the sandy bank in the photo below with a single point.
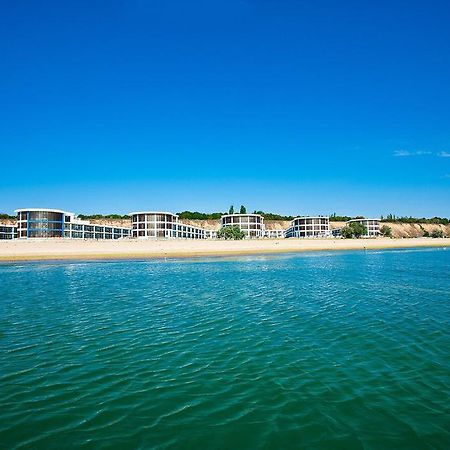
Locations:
(73, 249)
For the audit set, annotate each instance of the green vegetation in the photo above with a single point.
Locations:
(386, 231)
(336, 218)
(7, 217)
(231, 233)
(433, 220)
(195, 215)
(272, 216)
(437, 233)
(353, 230)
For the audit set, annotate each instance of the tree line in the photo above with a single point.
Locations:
(196, 215)
(410, 219)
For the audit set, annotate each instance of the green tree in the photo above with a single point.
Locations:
(437, 233)
(335, 218)
(347, 232)
(232, 232)
(353, 230)
(7, 217)
(195, 215)
(358, 229)
(386, 231)
(231, 210)
(243, 210)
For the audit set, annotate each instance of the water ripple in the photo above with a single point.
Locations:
(324, 350)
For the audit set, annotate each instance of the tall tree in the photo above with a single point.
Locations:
(243, 210)
(231, 210)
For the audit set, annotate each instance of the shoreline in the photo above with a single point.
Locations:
(46, 250)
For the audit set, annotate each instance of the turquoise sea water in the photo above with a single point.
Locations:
(340, 350)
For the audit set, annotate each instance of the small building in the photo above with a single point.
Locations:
(157, 224)
(8, 232)
(309, 227)
(336, 232)
(372, 226)
(54, 223)
(210, 234)
(274, 234)
(251, 224)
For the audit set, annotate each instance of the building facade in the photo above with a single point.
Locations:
(274, 234)
(309, 227)
(54, 223)
(210, 234)
(251, 224)
(156, 224)
(372, 226)
(8, 232)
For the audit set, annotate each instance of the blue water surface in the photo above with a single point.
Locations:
(319, 350)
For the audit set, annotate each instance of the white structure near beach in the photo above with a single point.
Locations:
(8, 232)
(55, 223)
(309, 227)
(45, 223)
(251, 224)
(160, 224)
(274, 234)
(372, 226)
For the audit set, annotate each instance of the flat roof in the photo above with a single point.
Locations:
(358, 220)
(43, 209)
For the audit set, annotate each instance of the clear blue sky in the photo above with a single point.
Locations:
(294, 107)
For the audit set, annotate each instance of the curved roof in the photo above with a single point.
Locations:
(43, 209)
(310, 217)
(242, 215)
(153, 212)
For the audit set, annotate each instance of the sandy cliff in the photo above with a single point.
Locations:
(399, 230)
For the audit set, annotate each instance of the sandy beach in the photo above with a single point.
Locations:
(29, 250)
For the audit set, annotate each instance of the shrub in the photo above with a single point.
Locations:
(353, 230)
(347, 232)
(386, 231)
(358, 229)
(437, 233)
(232, 232)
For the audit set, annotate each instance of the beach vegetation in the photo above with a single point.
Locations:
(273, 216)
(7, 217)
(386, 231)
(347, 232)
(353, 230)
(195, 215)
(231, 233)
(437, 233)
(410, 219)
(335, 218)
